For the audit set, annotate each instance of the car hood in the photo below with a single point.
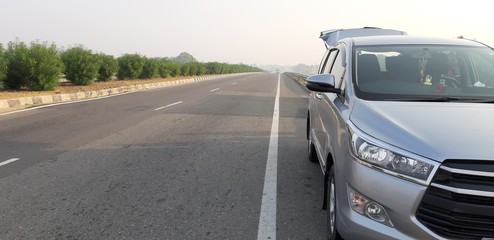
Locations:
(435, 130)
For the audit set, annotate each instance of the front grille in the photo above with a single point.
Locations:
(459, 204)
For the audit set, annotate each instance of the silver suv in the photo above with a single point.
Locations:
(403, 129)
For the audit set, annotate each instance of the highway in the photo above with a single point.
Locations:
(181, 162)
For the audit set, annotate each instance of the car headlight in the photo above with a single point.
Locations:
(391, 161)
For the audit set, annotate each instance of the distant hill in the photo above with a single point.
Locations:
(184, 58)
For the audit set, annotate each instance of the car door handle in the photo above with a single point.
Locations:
(318, 95)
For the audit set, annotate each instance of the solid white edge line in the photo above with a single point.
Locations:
(9, 161)
(169, 105)
(216, 89)
(267, 218)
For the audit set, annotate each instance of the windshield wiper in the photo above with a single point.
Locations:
(483, 100)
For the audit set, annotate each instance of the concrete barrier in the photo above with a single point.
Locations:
(8, 105)
(300, 78)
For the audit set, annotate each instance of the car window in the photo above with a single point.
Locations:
(405, 71)
(483, 68)
(324, 60)
(338, 69)
(329, 63)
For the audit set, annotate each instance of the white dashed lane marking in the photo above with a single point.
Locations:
(169, 105)
(9, 161)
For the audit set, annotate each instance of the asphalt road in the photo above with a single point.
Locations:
(182, 162)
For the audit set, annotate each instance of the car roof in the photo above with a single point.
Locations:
(330, 37)
(410, 40)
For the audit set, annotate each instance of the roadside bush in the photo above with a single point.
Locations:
(197, 68)
(193, 69)
(201, 69)
(19, 68)
(47, 67)
(185, 69)
(107, 68)
(150, 69)
(81, 65)
(170, 68)
(130, 66)
(37, 67)
(3, 67)
(163, 70)
(213, 68)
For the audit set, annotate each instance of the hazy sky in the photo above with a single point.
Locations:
(234, 31)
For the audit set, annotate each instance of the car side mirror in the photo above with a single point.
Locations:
(322, 83)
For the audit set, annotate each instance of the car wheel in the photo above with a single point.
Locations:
(311, 150)
(331, 207)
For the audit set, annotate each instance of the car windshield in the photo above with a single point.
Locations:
(424, 72)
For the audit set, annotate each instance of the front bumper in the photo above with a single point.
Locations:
(399, 197)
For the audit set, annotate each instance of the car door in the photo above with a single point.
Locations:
(325, 67)
(327, 105)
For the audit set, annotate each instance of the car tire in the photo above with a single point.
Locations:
(332, 213)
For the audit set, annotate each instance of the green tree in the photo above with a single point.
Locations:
(47, 67)
(164, 71)
(107, 68)
(201, 69)
(130, 66)
(3, 66)
(19, 67)
(37, 67)
(223, 68)
(170, 67)
(213, 68)
(196, 68)
(81, 65)
(185, 69)
(193, 69)
(150, 69)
